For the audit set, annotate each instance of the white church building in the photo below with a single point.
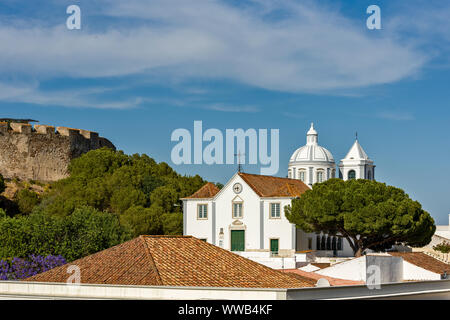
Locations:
(247, 214)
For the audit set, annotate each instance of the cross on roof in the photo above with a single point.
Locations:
(238, 155)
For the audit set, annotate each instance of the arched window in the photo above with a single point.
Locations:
(339, 244)
(333, 173)
(319, 176)
(351, 175)
(318, 242)
(302, 175)
(289, 174)
(334, 244)
(323, 244)
(328, 243)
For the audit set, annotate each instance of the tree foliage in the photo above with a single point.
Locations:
(136, 188)
(443, 247)
(108, 198)
(27, 200)
(84, 232)
(369, 214)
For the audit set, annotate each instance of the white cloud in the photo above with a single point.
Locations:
(306, 48)
(232, 108)
(397, 116)
(80, 98)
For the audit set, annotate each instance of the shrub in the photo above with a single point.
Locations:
(443, 247)
(19, 268)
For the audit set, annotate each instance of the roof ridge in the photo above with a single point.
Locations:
(154, 267)
(165, 236)
(263, 175)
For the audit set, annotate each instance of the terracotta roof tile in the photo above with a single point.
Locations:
(315, 277)
(173, 261)
(424, 261)
(268, 186)
(209, 190)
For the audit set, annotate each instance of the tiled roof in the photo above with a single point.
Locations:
(424, 261)
(321, 265)
(173, 261)
(209, 190)
(315, 277)
(268, 186)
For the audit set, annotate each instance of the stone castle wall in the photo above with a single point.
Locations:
(43, 153)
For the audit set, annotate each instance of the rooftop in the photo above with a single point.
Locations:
(173, 261)
(209, 190)
(315, 277)
(268, 186)
(424, 261)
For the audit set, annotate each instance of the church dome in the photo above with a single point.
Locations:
(312, 152)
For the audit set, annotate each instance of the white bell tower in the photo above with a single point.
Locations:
(356, 164)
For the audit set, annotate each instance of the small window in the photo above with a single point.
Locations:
(328, 243)
(237, 210)
(289, 174)
(333, 173)
(351, 175)
(369, 175)
(319, 176)
(275, 210)
(302, 175)
(318, 242)
(202, 211)
(309, 243)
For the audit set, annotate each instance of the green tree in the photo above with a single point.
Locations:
(84, 232)
(172, 223)
(142, 220)
(27, 200)
(369, 214)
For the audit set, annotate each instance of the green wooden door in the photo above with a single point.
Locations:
(274, 246)
(237, 240)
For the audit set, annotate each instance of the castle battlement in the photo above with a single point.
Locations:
(42, 153)
(21, 127)
(26, 128)
(43, 129)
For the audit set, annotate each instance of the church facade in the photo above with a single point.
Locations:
(247, 214)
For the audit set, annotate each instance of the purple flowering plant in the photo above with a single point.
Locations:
(20, 268)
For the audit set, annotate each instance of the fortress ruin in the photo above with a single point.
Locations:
(42, 153)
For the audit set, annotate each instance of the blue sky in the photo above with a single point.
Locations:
(137, 70)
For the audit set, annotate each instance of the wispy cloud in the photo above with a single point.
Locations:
(232, 108)
(287, 46)
(396, 116)
(294, 115)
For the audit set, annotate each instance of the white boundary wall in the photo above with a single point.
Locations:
(41, 290)
(38, 290)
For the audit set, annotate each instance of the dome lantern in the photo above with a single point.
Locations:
(312, 136)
